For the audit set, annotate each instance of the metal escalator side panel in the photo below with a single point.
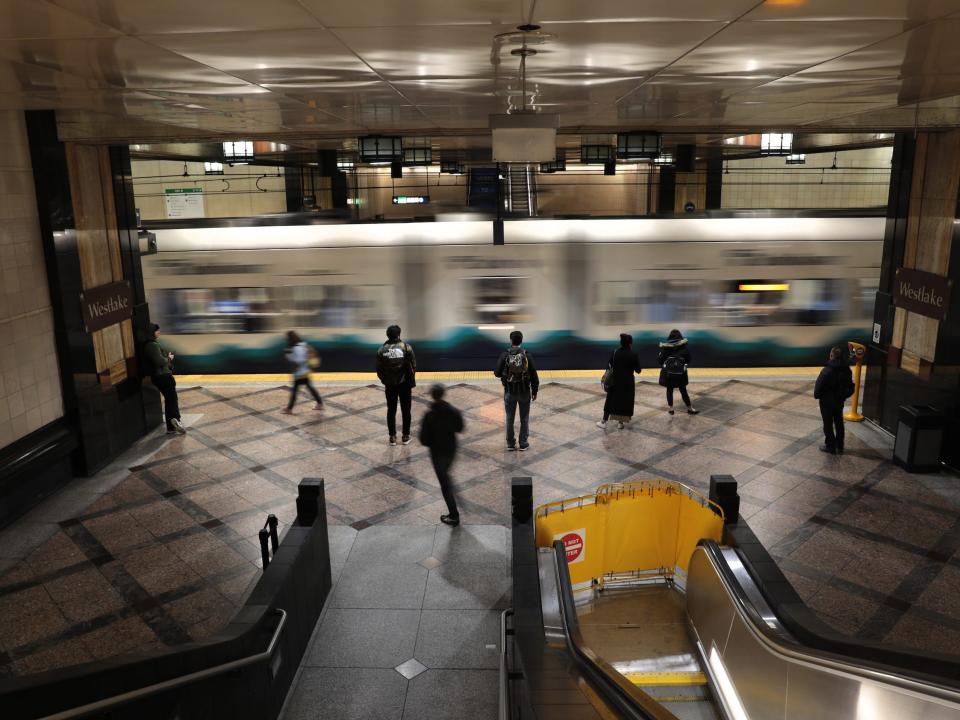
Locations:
(774, 677)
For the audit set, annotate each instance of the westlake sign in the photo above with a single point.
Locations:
(106, 305)
(922, 292)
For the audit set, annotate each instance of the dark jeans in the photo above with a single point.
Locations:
(832, 415)
(510, 404)
(441, 466)
(399, 392)
(683, 394)
(297, 382)
(171, 405)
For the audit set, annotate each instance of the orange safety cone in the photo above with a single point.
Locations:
(857, 350)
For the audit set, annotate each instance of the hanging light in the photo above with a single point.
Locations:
(663, 159)
(238, 152)
(775, 143)
(796, 159)
(212, 168)
(345, 161)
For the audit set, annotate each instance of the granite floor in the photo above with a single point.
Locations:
(162, 548)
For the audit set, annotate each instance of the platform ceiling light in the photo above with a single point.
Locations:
(596, 154)
(345, 161)
(452, 167)
(796, 159)
(663, 159)
(380, 149)
(238, 152)
(212, 168)
(411, 199)
(776, 143)
(417, 156)
(763, 287)
(638, 145)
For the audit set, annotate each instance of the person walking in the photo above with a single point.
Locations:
(397, 370)
(299, 354)
(620, 386)
(160, 366)
(438, 432)
(834, 386)
(516, 371)
(673, 359)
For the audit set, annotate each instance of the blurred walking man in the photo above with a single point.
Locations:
(439, 433)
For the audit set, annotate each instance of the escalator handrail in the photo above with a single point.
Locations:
(619, 692)
(781, 644)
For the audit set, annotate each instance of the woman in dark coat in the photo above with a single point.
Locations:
(674, 359)
(620, 390)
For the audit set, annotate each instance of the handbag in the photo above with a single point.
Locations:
(313, 358)
(607, 378)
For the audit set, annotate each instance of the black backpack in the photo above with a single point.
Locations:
(674, 365)
(516, 367)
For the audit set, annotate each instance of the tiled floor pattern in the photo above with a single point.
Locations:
(162, 550)
(413, 621)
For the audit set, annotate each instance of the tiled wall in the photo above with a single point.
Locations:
(862, 179)
(238, 197)
(30, 395)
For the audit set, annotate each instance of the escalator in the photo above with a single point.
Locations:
(643, 589)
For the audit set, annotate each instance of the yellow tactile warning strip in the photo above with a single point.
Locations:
(800, 373)
(666, 678)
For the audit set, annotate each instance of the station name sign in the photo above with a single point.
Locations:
(106, 305)
(922, 292)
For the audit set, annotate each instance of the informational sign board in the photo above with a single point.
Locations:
(184, 202)
(106, 305)
(922, 292)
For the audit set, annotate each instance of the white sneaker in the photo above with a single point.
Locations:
(620, 426)
(601, 424)
(178, 426)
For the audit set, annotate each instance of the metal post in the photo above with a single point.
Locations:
(857, 350)
(264, 548)
(272, 523)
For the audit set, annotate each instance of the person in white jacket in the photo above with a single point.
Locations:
(298, 354)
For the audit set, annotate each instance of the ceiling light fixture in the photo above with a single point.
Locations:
(238, 152)
(797, 159)
(663, 159)
(776, 143)
(212, 168)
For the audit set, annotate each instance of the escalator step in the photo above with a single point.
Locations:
(666, 678)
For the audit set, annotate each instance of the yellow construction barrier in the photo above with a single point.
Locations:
(647, 526)
(857, 350)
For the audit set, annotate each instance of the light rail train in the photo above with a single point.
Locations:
(748, 291)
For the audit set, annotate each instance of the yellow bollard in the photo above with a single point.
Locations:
(857, 350)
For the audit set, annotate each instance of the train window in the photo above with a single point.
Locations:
(184, 311)
(341, 306)
(495, 300)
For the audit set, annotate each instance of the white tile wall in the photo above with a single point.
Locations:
(862, 179)
(30, 394)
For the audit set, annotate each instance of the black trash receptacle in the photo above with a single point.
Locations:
(919, 438)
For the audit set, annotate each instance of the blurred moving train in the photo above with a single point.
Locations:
(748, 291)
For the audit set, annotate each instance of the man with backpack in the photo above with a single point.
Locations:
(520, 384)
(397, 369)
(834, 386)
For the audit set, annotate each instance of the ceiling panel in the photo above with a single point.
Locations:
(191, 16)
(25, 78)
(36, 19)
(911, 11)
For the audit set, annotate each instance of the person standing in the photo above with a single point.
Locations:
(621, 387)
(834, 386)
(516, 371)
(439, 433)
(673, 359)
(397, 369)
(300, 356)
(160, 366)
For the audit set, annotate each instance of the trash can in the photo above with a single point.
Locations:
(919, 438)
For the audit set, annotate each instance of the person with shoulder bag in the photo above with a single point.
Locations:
(674, 358)
(619, 383)
(303, 358)
(160, 367)
(397, 370)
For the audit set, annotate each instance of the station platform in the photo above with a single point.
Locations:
(161, 548)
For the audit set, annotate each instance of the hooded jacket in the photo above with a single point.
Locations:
(834, 384)
(670, 348)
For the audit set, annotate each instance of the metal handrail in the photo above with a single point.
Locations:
(183, 680)
(812, 657)
(504, 668)
(623, 695)
(632, 486)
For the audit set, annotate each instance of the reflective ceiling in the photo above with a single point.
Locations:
(177, 69)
